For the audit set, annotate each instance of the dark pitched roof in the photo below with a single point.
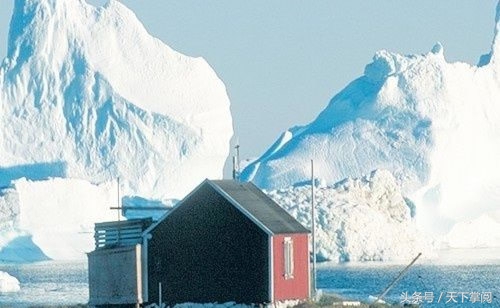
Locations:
(252, 202)
(262, 209)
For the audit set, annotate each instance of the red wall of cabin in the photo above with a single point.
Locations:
(298, 286)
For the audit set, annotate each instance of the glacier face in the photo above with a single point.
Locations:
(87, 93)
(435, 125)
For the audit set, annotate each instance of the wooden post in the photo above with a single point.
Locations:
(159, 295)
(396, 279)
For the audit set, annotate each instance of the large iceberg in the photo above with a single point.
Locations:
(364, 219)
(434, 125)
(86, 92)
(89, 99)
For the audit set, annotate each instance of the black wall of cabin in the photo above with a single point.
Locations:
(208, 251)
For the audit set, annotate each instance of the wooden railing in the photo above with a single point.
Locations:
(120, 233)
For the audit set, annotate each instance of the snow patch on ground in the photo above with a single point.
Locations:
(211, 305)
(364, 219)
(284, 304)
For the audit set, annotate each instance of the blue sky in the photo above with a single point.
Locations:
(283, 60)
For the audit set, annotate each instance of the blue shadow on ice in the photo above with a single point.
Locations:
(34, 172)
(22, 250)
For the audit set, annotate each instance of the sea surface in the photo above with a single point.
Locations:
(458, 278)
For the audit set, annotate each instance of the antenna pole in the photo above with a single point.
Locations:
(237, 147)
(118, 198)
(313, 231)
(234, 167)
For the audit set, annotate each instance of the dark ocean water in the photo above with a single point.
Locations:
(48, 283)
(459, 278)
(459, 285)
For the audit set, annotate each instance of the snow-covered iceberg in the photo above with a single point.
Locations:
(434, 125)
(86, 92)
(8, 283)
(55, 219)
(87, 96)
(365, 219)
(482, 232)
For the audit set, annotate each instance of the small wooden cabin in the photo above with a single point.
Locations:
(116, 265)
(225, 241)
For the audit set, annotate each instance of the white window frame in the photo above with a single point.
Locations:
(288, 257)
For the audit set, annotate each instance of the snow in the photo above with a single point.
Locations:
(87, 93)
(364, 219)
(55, 219)
(482, 232)
(87, 97)
(211, 305)
(138, 207)
(434, 125)
(284, 304)
(8, 283)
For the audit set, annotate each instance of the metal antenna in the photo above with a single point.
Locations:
(234, 167)
(118, 198)
(313, 231)
(237, 147)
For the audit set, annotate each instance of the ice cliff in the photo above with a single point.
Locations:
(86, 92)
(88, 96)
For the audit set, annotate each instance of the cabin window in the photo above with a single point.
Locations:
(288, 254)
